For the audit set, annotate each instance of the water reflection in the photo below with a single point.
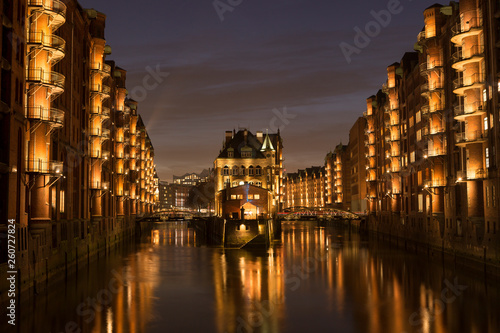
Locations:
(317, 279)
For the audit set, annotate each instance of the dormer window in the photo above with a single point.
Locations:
(246, 152)
(230, 152)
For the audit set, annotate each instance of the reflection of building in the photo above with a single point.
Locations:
(305, 188)
(174, 196)
(249, 167)
(79, 167)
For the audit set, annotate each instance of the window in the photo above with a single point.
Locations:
(256, 196)
(485, 120)
(225, 171)
(418, 117)
(259, 184)
(239, 196)
(420, 202)
(235, 171)
(419, 135)
(485, 95)
(487, 156)
(246, 154)
(250, 170)
(242, 171)
(258, 171)
(233, 196)
(250, 196)
(230, 154)
(235, 184)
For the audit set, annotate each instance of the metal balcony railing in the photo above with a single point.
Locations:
(471, 137)
(38, 75)
(53, 42)
(466, 54)
(462, 26)
(435, 182)
(430, 65)
(43, 166)
(468, 109)
(56, 7)
(463, 82)
(51, 115)
(472, 174)
(434, 152)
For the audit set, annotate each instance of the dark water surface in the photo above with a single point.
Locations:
(317, 280)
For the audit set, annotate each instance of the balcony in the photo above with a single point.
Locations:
(44, 167)
(105, 155)
(426, 67)
(427, 88)
(98, 185)
(475, 81)
(465, 110)
(55, 8)
(102, 90)
(395, 138)
(436, 130)
(463, 29)
(471, 137)
(52, 116)
(466, 56)
(472, 174)
(427, 109)
(52, 43)
(51, 79)
(434, 152)
(434, 183)
(101, 68)
(105, 134)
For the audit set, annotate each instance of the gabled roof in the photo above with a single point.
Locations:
(238, 143)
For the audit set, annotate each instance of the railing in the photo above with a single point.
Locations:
(434, 182)
(51, 115)
(426, 66)
(105, 133)
(431, 108)
(49, 78)
(106, 111)
(100, 67)
(472, 174)
(470, 136)
(43, 166)
(463, 27)
(434, 152)
(466, 54)
(431, 86)
(436, 130)
(463, 82)
(465, 109)
(395, 169)
(49, 41)
(55, 6)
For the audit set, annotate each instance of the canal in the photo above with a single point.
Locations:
(317, 279)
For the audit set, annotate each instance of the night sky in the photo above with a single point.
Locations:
(267, 64)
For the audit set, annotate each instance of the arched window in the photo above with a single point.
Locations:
(234, 184)
(258, 170)
(250, 170)
(242, 170)
(235, 171)
(225, 171)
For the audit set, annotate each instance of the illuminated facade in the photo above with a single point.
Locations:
(253, 162)
(306, 188)
(79, 167)
(432, 134)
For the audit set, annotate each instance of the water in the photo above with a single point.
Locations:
(318, 279)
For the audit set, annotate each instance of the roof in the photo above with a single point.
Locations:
(238, 143)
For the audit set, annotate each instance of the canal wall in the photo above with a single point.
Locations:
(48, 260)
(435, 239)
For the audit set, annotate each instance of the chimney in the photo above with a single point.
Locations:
(260, 137)
(229, 136)
(245, 135)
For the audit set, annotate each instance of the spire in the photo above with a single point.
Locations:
(267, 145)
